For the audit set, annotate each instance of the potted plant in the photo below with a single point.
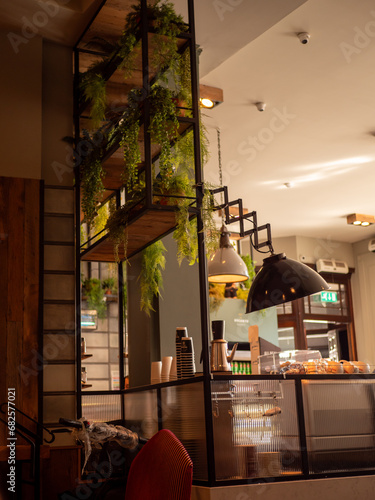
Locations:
(109, 286)
(94, 293)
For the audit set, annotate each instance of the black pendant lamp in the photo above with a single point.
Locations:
(282, 280)
(226, 266)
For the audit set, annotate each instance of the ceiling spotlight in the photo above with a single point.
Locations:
(360, 219)
(207, 103)
(303, 37)
(210, 97)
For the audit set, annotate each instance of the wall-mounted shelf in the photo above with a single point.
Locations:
(146, 226)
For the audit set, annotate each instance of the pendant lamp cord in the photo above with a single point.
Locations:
(220, 174)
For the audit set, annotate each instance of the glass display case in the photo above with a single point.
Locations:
(267, 428)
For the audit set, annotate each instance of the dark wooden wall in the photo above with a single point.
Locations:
(20, 362)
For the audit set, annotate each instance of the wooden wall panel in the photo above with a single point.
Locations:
(19, 292)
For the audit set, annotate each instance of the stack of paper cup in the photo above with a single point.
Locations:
(166, 368)
(181, 332)
(173, 372)
(187, 357)
(156, 372)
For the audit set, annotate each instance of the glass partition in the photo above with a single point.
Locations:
(340, 424)
(141, 412)
(183, 414)
(101, 408)
(255, 429)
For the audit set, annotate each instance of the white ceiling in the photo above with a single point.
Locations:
(324, 145)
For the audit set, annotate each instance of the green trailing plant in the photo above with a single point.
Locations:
(92, 289)
(129, 128)
(116, 225)
(100, 221)
(183, 78)
(92, 173)
(92, 188)
(151, 280)
(163, 126)
(211, 232)
(185, 235)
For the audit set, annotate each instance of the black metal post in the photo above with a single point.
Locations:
(203, 283)
(160, 411)
(120, 287)
(146, 102)
(77, 235)
(39, 431)
(301, 427)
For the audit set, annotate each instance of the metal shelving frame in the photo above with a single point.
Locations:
(194, 123)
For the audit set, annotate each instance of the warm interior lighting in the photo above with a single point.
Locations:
(207, 103)
(210, 96)
(226, 266)
(360, 219)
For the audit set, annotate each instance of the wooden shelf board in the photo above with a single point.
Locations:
(110, 21)
(151, 225)
(85, 356)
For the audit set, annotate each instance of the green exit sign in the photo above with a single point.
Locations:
(328, 297)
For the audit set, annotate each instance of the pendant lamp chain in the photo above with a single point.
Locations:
(220, 173)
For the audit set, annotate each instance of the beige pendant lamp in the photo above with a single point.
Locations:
(226, 266)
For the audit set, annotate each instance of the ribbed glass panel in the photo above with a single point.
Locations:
(340, 424)
(183, 414)
(141, 412)
(255, 429)
(102, 408)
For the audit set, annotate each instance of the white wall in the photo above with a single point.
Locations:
(363, 286)
(311, 248)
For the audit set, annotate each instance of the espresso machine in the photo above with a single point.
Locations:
(220, 361)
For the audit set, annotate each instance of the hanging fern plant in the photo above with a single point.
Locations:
(151, 280)
(93, 86)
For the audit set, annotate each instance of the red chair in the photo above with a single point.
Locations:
(162, 470)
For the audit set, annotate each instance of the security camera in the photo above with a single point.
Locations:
(261, 106)
(303, 37)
